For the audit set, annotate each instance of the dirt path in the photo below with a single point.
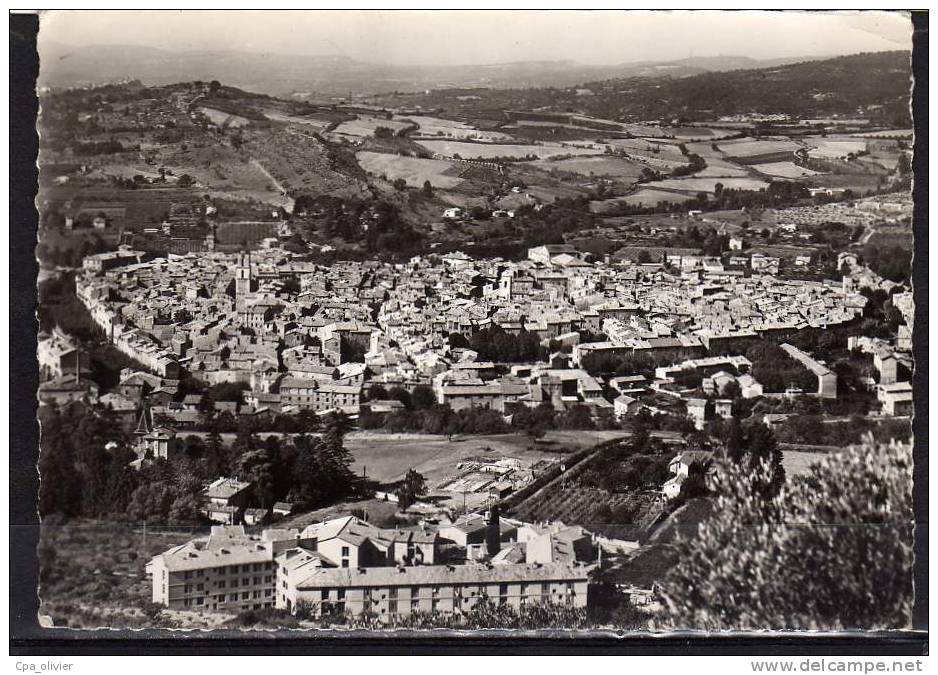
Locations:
(287, 200)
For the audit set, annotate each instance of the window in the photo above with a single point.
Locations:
(246, 581)
(234, 583)
(344, 562)
(345, 550)
(221, 584)
(257, 581)
(268, 566)
(268, 579)
(200, 587)
(436, 605)
(256, 594)
(268, 592)
(392, 593)
(187, 602)
(245, 595)
(414, 591)
(233, 597)
(341, 594)
(258, 567)
(503, 589)
(187, 575)
(392, 606)
(245, 568)
(200, 601)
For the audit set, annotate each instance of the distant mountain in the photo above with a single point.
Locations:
(280, 74)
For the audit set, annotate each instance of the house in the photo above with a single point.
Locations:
(827, 379)
(680, 466)
(887, 365)
(625, 405)
(896, 399)
(452, 213)
(723, 407)
(256, 516)
(226, 499)
(470, 529)
(697, 411)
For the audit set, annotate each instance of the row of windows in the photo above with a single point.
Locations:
(230, 569)
(221, 598)
(222, 583)
(466, 592)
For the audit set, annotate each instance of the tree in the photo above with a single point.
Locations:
(185, 180)
(848, 521)
(427, 189)
(413, 487)
(422, 397)
(399, 184)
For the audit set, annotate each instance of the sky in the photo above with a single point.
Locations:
(448, 37)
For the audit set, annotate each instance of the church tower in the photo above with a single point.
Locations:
(243, 276)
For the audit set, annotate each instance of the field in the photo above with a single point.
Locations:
(436, 126)
(643, 197)
(365, 126)
(317, 124)
(694, 184)
(614, 167)
(491, 150)
(387, 457)
(825, 148)
(659, 154)
(750, 147)
(414, 170)
(783, 170)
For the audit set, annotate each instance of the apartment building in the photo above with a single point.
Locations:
(228, 571)
(390, 592)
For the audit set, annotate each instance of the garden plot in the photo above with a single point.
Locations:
(644, 197)
(413, 170)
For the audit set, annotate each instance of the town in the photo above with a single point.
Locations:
(471, 357)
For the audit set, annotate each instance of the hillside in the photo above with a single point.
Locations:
(872, 85)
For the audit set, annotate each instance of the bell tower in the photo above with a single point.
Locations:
(243, 276)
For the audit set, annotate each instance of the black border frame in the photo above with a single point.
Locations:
(28, 639)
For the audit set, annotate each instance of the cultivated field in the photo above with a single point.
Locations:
(414, 170)
(615, 167)
(694, 184)
(493, 150)
(823, 148)
(783, 170)
(750, 147)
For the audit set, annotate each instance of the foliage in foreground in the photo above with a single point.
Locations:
(831, 551)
